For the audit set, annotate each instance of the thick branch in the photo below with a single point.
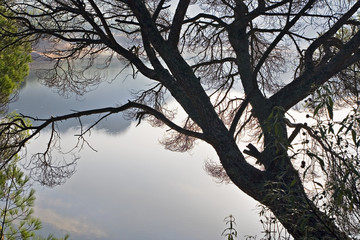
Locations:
(318, 42)
(177, 22)
(302, 86)
(157, 10)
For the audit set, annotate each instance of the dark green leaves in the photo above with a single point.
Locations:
(323, 98)
(14, 60)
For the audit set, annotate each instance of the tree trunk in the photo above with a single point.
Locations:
(288, 201)
(300, 217)
(279, 187)
(283, 193)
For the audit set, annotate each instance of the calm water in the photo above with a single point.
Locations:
(130, 188)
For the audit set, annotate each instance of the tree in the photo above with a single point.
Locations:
(237, 68)
(16, 196)
(14, 67)
(16, 221)
(14, 61)
(16, 204)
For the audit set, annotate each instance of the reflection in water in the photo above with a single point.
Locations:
(37, 100)
(131, 188)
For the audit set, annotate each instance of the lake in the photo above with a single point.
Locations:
(130, 187)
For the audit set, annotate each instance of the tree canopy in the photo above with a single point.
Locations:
(14, 60)
(16, 203)
(16, 197)
(238, 69)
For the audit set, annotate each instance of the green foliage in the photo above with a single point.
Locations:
(271, 225)
(330, 163)
(51, 237)
(16, 197)
(16, 206)
(322, 99)
(337, 134)
(16, 200)
(14, 59)
(275, 127)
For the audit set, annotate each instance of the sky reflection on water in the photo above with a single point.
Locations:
(131, 188)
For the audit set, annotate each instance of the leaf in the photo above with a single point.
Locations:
(331, 129)
(318, 107)
(330, 107)
(321, 161)
(353, 134)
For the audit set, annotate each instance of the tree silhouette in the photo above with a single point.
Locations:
(237, 68)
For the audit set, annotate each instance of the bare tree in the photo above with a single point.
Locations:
(204, 54)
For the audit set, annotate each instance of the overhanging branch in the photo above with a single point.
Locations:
(19, 126)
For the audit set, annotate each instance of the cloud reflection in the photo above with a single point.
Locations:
(79, 226)
(132, 188)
